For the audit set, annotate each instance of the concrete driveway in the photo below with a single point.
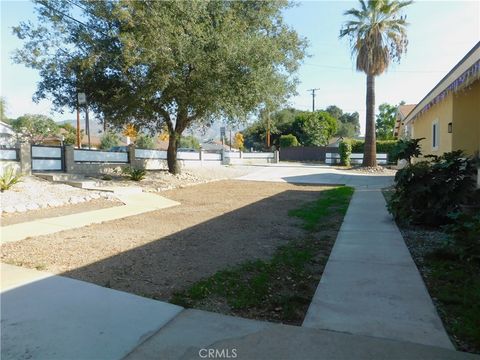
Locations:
(317, 174)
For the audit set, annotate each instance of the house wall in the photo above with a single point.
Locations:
(466, 120)
(422, 127)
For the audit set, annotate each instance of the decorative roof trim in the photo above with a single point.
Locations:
(451, 83)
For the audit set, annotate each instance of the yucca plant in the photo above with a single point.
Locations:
(8, 179)
(135, 174)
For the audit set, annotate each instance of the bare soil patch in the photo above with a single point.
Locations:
(217, 225)
(97, 204)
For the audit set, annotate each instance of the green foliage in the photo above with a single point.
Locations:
(144, 141)
(156, 63)
(383, 147)
(335, 200)
(465, 233)
(69, 134)
(455, 284)
(314, 128)
(345, 149)
(134, 174)
(426, 192)
(9, 178)
(348, 124)
(288, 141)
(109, 140)
(34, 128)
(3, 106)
(377, 33)
(190, 142)
(385, 123)
(407, 149)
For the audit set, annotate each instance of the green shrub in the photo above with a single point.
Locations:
(426, 192)
(383, 146)
(144, 141)
(134, 174)
(8, 179)
(109, 140)
(465, 233)
(407, 149)
(345, 149)
(288, 141)
(189, 142)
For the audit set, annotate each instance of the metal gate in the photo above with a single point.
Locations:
(47, 158)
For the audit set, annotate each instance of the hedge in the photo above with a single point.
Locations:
(383, 146)
(288, 141)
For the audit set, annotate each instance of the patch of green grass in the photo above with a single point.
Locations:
(335, 200)
(456, 286)
(281, 288)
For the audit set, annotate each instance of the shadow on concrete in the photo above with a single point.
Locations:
(333, 178)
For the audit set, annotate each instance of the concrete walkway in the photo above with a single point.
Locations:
(52, 317)
(370, 285)
(299, 173)
(135, 203)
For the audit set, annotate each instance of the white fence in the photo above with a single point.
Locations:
(150, 154)
(355, 158)
(47, 158)
(9, 159)
(9, 155)
(98, 156)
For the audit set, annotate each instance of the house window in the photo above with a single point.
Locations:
(435, 135)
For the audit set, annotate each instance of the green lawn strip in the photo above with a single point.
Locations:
(455, 284)
(279, 289)
(335, 199)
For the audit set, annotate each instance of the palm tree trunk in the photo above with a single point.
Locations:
(370, 150)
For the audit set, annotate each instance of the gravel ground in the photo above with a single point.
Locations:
(155, 254)
(161, 180)
(33, 193)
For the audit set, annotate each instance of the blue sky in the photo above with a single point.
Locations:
(440, 33)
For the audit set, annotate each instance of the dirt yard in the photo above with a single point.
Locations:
(217, 225)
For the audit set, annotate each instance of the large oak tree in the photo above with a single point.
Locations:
(163, 64)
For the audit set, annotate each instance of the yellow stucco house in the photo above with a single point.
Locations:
(402, 113)
(448, 117)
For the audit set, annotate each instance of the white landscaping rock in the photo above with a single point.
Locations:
(32, 206)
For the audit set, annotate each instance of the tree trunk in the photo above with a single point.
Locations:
(370, 150)
(173, 165)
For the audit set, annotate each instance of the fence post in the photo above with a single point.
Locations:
(132, 160)
(69, 158)
(200, 154)
(25, 158)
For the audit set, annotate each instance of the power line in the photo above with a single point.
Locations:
(71, 17)
(396, 71)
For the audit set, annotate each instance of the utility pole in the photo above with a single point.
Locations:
(313, 97)
(268, 130)
(79, 144)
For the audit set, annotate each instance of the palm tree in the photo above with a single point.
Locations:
(377, 34)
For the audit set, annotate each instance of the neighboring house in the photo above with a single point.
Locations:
(448, 117)
(402, 113)
(335, 141)
(7, 135)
